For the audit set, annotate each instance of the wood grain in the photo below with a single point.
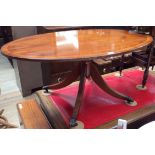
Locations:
(32, 115)
(75, 45)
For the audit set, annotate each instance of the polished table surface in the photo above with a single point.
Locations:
(75, 45)
(83, 46)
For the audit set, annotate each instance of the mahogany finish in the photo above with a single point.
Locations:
(75, 45)
(80, 45)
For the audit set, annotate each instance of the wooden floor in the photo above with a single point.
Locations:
(9, 92)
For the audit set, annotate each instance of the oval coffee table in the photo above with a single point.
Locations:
(81, 46)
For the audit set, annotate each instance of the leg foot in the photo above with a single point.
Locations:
(118, 75)
(73, 123)
(46, 89)
(46, 93)
(131, 102)
(97, 78)
(79, 125)
(79, 97)
(141, 87)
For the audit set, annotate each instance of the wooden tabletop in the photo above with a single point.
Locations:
(75, 45)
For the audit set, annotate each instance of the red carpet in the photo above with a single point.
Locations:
(98, 107)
